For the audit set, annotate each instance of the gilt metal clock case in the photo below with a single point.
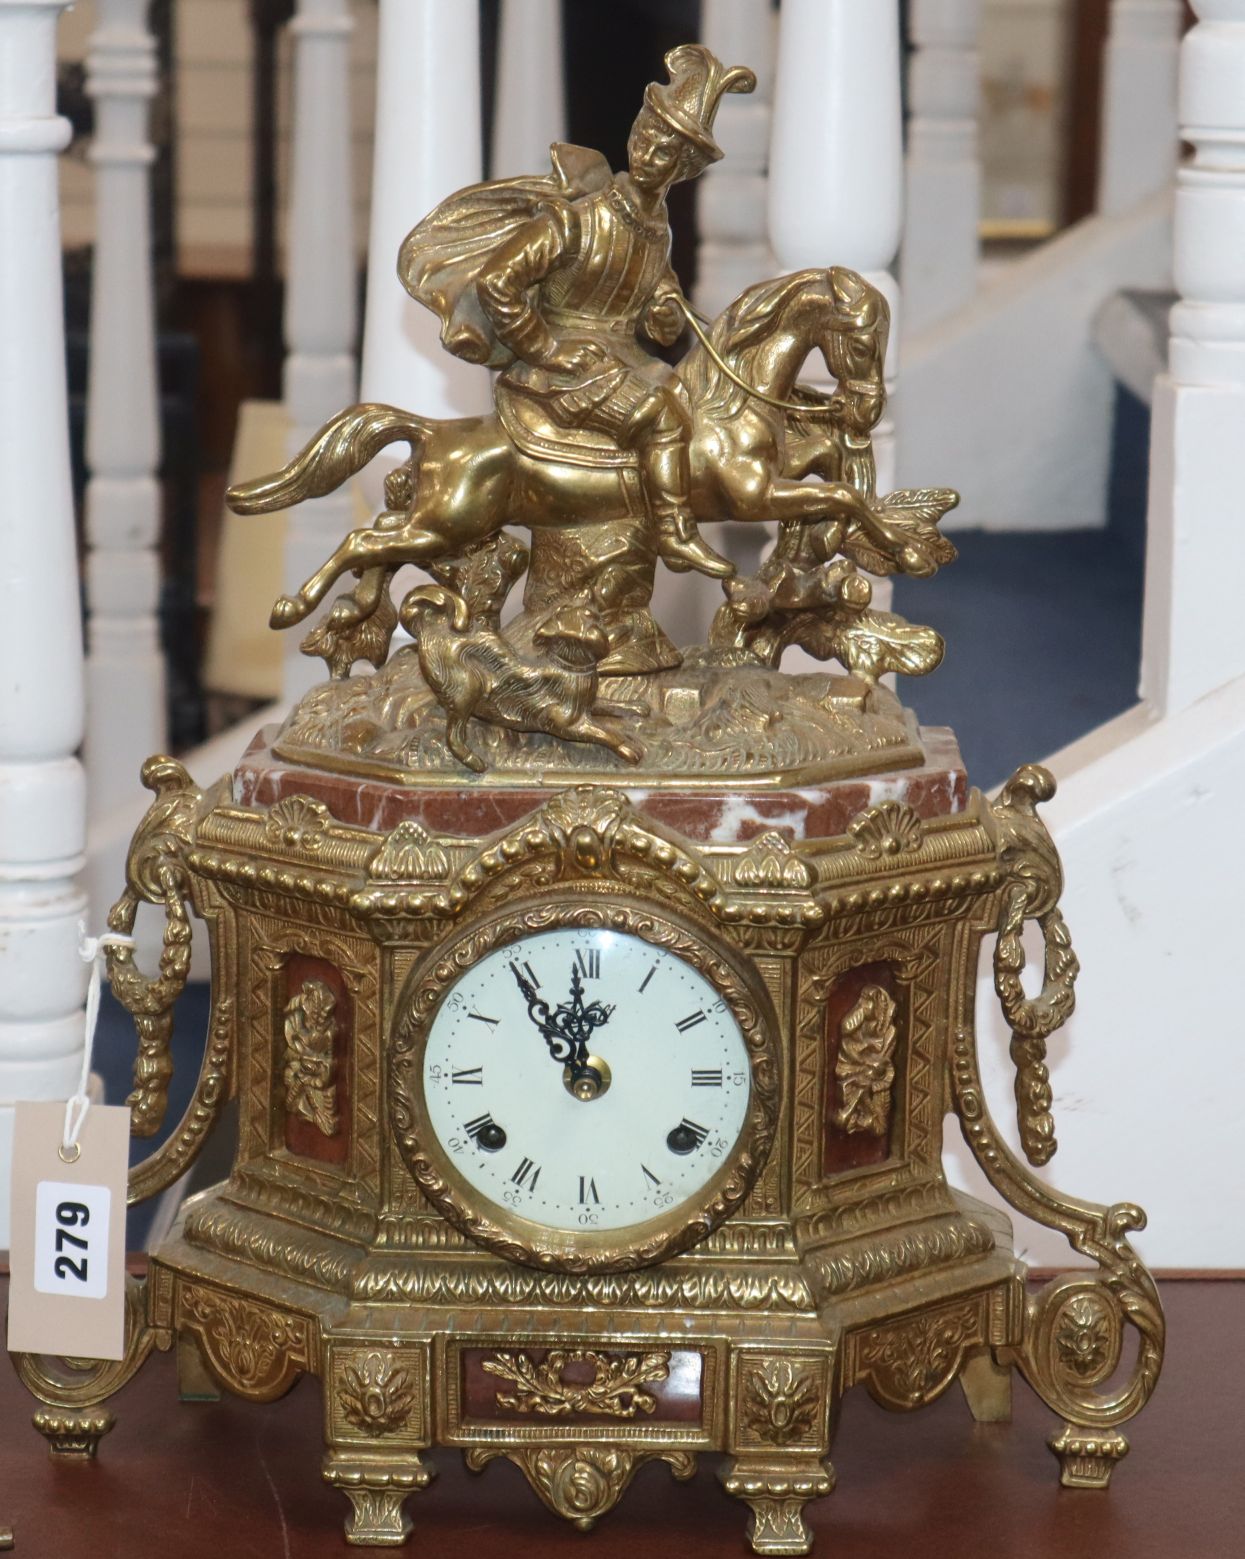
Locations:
(828, 1252)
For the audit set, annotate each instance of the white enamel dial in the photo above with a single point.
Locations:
(657, 1102)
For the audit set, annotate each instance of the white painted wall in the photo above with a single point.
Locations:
(1009, 400)
(1147, 1072)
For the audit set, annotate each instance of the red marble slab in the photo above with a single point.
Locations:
(724, 814)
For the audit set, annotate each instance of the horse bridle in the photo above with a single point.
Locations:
(802, 408)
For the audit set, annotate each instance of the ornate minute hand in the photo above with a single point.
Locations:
(567, 1030)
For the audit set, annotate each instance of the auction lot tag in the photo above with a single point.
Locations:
(67, 1263)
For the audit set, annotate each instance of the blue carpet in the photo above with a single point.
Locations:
(1043, 629)
(1043, 643)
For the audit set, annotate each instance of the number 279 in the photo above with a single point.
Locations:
(71, 1215)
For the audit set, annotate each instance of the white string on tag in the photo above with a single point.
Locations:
(91, 951)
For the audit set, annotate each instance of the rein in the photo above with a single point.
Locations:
(802, 408)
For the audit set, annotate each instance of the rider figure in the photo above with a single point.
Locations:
(557, 297)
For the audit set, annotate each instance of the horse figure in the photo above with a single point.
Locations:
(468, 477)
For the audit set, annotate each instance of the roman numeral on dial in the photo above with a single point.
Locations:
(526, 1175)
(588, 1190)
(468, 1074)
(689, 1022)
(686, 1137)
(530, 973)
(702, 1077)
(588, 962)
(486, 1133)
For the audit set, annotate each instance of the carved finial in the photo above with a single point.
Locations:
(409, 854)
(770, 862)
(889, 828)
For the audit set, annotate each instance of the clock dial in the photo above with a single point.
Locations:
(585, 1079)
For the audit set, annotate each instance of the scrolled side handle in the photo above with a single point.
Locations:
(1036, 881)
(156, 874)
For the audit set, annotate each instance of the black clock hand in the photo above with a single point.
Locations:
(538, 1012)
(568, 1029)
(581, 1021)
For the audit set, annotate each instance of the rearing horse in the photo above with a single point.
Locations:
(467, 478)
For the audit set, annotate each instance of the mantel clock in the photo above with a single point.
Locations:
(593, 1005)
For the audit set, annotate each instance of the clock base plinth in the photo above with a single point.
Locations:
(579, 1396)
(841, 924)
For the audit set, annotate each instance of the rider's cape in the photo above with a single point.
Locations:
(441, 257)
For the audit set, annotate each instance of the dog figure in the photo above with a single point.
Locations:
(473, 672)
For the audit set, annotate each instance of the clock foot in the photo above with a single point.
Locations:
(377, 1488)
(987, 1388)
(71, 1432)
(1087, 1457)
(195, 1382)
(776, 1491)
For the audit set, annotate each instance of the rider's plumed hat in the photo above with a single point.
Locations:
(689, 102)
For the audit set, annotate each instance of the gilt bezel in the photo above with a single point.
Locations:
(500, 1228)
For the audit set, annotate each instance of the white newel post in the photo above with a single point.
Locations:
(836, 154)
(126, 719)
(42, 792)
(734, 247)
(942, 207)
(320, 307)
(1192, 642)
(1139, 140)
(427, 144)
(530, 110)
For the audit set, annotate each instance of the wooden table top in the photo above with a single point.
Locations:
(229, 1480)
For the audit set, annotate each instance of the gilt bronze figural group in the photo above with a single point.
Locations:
(592, 1003)
(610, 459)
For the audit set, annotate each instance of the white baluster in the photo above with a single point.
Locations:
(125, 666)
(1192, 641)
(427, 145)
(1139, 140)
(320, 308)
(530, 111)
(942, 211)
(836, 153)
(42, 793)
(730, 201)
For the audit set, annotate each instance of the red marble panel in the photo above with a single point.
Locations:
(726, 815)
(296, 1133)
(842, 1149)
(678, 1397)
